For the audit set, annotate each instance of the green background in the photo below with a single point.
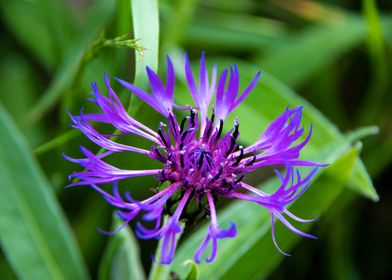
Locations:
(333, 57)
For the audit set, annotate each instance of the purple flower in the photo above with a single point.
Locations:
(199, 163)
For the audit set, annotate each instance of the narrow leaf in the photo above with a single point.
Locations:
(145, 16)
(283, 62)
(121, 257)
(34, 233)
(194, 270)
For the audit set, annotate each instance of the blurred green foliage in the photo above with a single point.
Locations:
(333, 57)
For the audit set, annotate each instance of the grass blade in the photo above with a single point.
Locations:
(121, 257)
(35, 236)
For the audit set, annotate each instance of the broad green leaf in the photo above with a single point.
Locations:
(34, 233)
(68, 70)
(375, 36)
(121, 258)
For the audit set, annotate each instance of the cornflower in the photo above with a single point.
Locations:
(199, 162)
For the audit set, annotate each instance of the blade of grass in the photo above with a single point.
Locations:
(121, 257)
(373, 102)
(283, 61)
(34, 233)
(145, 17)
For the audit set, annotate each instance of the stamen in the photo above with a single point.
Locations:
(251, 162)
(158, 154)
(174, 127)
(193, 115)
(184, 134)
(218, 174)
(163, 175)
(239, 158)
(239, 179)
(182, 160)
(236, 131)
(201, 156)
(220, 129)
(183, 123)
(232, 143)
(207, 132)
(160, 132)
(212, 117)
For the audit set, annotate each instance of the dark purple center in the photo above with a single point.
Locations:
(200, 158)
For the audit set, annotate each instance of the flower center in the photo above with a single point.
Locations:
(201, 158)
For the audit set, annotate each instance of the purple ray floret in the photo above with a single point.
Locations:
(200, 163)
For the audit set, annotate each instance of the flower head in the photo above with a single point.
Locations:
(199, 162)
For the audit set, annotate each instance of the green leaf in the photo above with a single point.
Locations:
(378, 87)
(71, 63)
(361, 182)
(361, 132)
(145, 19)
(121, 258)
(193, 272)
(145, 16)
(18, 77)
(347, 32)
(34, 233)
(235, 32)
